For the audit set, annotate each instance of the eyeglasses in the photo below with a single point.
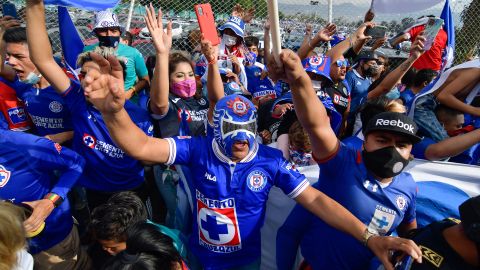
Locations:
(342, 63)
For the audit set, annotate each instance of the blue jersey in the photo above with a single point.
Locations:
(470, 156)
(407, 96)
(230, 198)
(27, 163)
(107, 167)
(345, 179)
(45, 107)
(358, 88)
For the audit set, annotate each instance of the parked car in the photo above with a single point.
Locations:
(176, 31)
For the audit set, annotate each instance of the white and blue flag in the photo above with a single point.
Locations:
(84, 4)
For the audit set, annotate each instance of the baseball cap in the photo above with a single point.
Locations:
(236, 24)
(394, 122)
(317, 64)
(106, 19)
(367, 55)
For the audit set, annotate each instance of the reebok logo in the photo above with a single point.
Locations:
(393, 123)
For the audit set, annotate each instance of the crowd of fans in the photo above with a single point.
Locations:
(94, 175)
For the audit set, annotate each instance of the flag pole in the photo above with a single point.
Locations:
(130, 14)
(275, 30)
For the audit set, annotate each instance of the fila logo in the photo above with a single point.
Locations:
(210, 177)
(398, 123)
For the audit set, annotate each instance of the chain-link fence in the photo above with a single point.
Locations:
(294, 14)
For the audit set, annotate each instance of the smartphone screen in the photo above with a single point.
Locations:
(376, 32)
(431, 30)
(404, 264)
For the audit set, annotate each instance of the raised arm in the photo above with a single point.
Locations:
(310, 111)
(323, 35)
(396, 75)
(6, 71)
(215, 89)
(104, 89)
(359, 36)
(266, 41)
(40, 48)
(453, 146)
(462, 81)
(163, 42)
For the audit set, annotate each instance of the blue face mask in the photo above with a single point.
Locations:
(108, 41)
(31, 79)
(300, 158)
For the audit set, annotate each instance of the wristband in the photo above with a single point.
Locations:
(212, 62)
(367, 234)
(54, 198)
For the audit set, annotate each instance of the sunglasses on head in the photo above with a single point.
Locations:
(342, 63)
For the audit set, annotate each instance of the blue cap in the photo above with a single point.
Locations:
(318, 64)
(232, 88)
(236, 24)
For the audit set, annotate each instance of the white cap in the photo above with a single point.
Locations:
(106, 19)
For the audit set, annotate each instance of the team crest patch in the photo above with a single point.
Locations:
(89, 140)
(238, 106)
(401, 202)
(382, 220)
(315, 61)
(58, 147)
(235, 86)
(17, 115)
(336, 99)
(218, 228)
(4, 176)
(202, 102)
(256, 181)
(55, 106)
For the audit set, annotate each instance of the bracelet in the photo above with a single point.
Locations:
(54, 198)
(367, 234)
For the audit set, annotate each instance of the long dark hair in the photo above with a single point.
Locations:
(147, 249)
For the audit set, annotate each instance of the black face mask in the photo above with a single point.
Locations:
(108, 41)
(385, 162)
(370, 71)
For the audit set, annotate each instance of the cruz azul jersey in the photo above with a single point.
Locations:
(345, 179)
(45, 107)
(107, 167)
(13, 110)
(230, 198)
(27, 163)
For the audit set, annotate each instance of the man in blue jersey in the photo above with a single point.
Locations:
(45, 107)
(232, 176)
(108, 169)
(370, 183)
(27, 163)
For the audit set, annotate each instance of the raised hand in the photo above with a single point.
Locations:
(308, 29)
(360, 33)
(208, 50)
(103, 87)
(417, 48)
(7, 22)
(290, 70)
(379, 43)
(327, 32)
(246, 15)
(369, 16)
(162, 40)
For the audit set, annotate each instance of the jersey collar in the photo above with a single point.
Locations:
(222, 157)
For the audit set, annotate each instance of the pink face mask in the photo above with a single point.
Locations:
(184, 89)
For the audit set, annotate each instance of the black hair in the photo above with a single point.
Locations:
(422, 76)
(111, 220)
(147, 249)
(251, 41)
(409, 77)
(15, 35)
(446, 111)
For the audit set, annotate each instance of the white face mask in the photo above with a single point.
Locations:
(317, 85)
(31, 79)
(229, 40)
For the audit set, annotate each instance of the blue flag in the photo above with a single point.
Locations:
(449, 27)
(72, 44)
(84, 4)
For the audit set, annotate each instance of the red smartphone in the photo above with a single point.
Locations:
(207, 22)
